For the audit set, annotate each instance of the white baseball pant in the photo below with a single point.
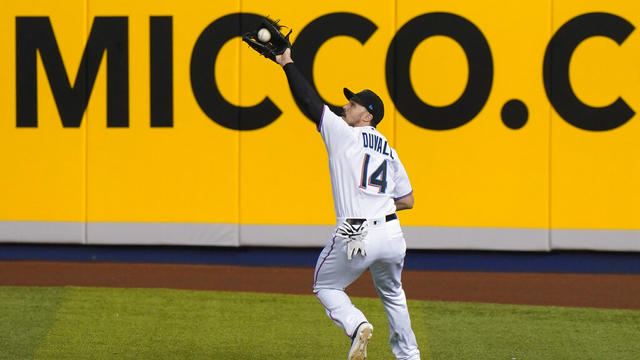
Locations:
(385, 247)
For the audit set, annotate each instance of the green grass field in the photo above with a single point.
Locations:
(101, 323)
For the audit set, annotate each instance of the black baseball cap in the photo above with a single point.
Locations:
(370, 101)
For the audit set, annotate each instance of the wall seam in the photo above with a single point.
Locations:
(395, 112)
(550, 183)
(239, 226)
(85, 241)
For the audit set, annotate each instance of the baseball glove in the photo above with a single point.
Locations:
(277, 43)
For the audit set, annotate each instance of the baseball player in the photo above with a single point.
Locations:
(369, 185)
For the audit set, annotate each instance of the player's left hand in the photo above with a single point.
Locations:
(275, 44)
(285, 58)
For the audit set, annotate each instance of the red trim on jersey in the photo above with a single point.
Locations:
(362, 172)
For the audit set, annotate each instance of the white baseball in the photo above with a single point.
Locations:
(264, 35)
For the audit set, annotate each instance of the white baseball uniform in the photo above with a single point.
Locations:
(367, 177)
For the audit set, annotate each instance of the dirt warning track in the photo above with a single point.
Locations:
(582, 290)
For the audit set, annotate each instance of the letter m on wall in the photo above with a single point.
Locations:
(108, 34)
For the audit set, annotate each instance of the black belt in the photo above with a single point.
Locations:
(387, 218)
(356, 221)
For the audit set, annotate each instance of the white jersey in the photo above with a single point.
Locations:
(366, 173)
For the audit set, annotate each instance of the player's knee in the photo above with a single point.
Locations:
(389, 287)
(393, 295)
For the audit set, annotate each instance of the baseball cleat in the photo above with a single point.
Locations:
(360, 340)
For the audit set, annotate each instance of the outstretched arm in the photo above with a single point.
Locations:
(302, 91)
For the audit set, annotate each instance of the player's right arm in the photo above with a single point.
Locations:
(403, 193)
(404, 203)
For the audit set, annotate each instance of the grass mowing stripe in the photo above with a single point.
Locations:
(26, 314)
(102, 323)
(97, 323)
(491, 331)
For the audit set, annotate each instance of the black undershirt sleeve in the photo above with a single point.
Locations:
(304, 94)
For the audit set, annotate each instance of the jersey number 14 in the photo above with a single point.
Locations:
(378, 177)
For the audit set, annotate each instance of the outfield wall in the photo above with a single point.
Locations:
(151, 123)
